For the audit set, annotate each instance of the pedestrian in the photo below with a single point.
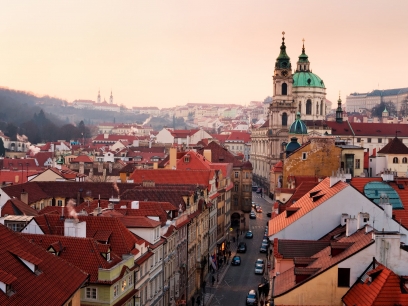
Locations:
(225, 258)
(213, 280)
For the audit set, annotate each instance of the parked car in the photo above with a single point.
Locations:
(236, 261)
(259, 268)
(249, 235)
(263, 248)
(259, 190)
(259, 209)
(254, 188)
(241, 247)
(260, 261)
(252, 298)
(252, 215)
(269, 214)
(253, 204)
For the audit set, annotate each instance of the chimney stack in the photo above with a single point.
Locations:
(24, 196)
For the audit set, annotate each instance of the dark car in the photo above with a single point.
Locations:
(252, 298)
(252, 215)
(249, 235)
(241, 247)
(259, 190)
(269, 215)
(254, 188)
(263, 248)
(236, 261)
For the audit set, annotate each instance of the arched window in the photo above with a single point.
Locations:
(395, 160)
(321, 107)
(284, 89)
(404, 160)
(284, 119)
(300, 107)
(308, 107)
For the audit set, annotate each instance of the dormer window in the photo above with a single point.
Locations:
(6, 280)
(107, 255)
(187, 158)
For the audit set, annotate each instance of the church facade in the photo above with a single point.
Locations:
(296, 93)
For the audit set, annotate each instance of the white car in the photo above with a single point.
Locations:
(259, 268)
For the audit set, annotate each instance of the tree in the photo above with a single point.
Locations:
(11, 131)
(2, 149)
(377, 110)
(404, 107)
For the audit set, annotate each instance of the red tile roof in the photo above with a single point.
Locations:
(82, 158)
(55, 284)
(84, 253)
(16, 207)
(305, 204)
(380, 287)
(324, 260)
(395, 146)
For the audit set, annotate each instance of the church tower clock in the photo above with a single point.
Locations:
(282, 110)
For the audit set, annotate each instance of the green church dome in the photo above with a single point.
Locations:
(307, 79)
(292, 146)
(298, 127)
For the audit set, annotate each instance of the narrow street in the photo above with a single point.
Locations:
(238, 280)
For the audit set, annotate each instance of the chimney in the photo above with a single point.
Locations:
(155, 165)
(100, 167)
(344, 218)
(365, 119)
(135, 143)
(362, 219)
(386, 205)
(105, 136)
(111, 205)
(81, 167)
(395, 120)
(104, 173)
(173, 157)
(351, 226)
(24, 196)
(73, 228)
(134, 205)
(97, 211)
(110, 167)
(91, 172)
(207, 154)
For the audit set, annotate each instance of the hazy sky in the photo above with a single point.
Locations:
(167, 53)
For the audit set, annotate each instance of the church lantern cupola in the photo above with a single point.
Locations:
(303, 63)
(283, 60)
(339, 111)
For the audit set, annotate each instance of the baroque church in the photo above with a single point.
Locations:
(299, 96)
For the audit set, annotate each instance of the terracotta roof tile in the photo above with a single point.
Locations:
(18, 208)
(305, 204)
(382, 288)
(56, 283)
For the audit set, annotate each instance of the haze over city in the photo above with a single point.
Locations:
(168, 53)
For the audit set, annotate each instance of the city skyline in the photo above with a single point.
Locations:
(176, 52)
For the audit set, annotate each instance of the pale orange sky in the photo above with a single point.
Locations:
(167, 53)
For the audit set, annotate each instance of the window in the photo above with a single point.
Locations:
(236, 174)
(284, 89)
(358, 139)
(369, 140)
(379, 140)
(236, 187)
(308, 107)
(91, 293)
(304, 155)
(124, 285)
(187, 158)
(395, 160)
(404, 160)
(59, 202)
(343, 277)
(284, 119)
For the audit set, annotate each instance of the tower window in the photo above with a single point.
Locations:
(284, 119)
(308, 107)
(284, 89)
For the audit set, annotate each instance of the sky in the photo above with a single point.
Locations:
(172, 52)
